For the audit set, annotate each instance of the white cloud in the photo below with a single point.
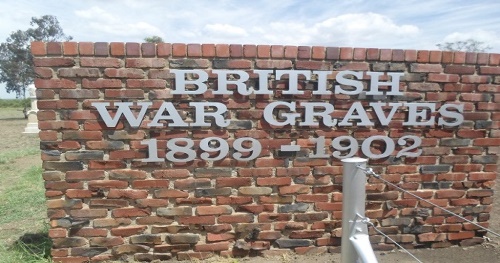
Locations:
(489, 38)
(357, 29)
(103, 21)
(224, 30)
(96, 13)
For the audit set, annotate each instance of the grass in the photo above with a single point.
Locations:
(30, 248)
(11, 156)
(23, 224)
(14, 103)
(23, 198)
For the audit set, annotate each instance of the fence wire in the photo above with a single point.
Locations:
(392, 240)
(369, 171)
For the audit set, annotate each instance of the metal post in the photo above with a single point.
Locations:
(356, 246)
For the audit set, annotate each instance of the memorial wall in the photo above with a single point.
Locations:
(153, 151)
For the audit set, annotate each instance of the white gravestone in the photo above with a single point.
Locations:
(32, 126)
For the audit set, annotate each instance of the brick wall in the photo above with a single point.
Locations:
(105, 202)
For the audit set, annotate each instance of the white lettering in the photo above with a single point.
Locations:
(322, 82)
(310, 113)
(456, 114)
(419, 111)
(123, 109)
(181, 81)
(377, 107)
(223, 81)
(363, 118)
(293, 79)
(200, 114)
(340, 78)
(289, 117)
(393, 84)
(173, 115)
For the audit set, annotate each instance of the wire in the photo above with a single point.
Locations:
(369, 171)
(392, 240)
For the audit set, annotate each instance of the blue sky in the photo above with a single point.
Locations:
(405, 24)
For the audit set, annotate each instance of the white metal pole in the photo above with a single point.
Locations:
(353, 207)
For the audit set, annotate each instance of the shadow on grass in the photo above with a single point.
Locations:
(12, 119)
(34, 247)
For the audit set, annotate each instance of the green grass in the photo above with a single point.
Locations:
(23, 198)
(30, 248)
(14, 103)
(13, 155)
(23, 227)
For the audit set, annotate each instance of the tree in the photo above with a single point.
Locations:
(154, 39)
(469, 45)
(16, 62)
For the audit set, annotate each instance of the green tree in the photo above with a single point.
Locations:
(154, 39)
(469, 45)
(16, 62)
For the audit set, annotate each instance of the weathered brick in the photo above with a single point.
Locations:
(175, 211)
(255, 190)
(129, 249)
(183, 238)
(291, 243)
(69, 242)
(145, 239)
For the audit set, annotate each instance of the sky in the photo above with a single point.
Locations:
(403, 24)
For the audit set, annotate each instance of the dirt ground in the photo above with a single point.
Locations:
(11, 137)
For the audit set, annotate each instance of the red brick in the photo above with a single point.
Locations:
(263, 51)
(385, 55)
(318, 52)
(461, 235)
(220, 237)
(197, 220)
(249, 51)
(130, 212)
(148, 49)
(38, 48)
(449, 193)
(148, 184)
(128, 230)
(88, 213)
(222, 50)
(291, 52)
(311, 198)
(132, 49)
(164, 49)
(86, 48)
(372, 54)
(55, 84)
(208, 50)
(117, 49)
(410, 55)
(127, 193)
(234, 200)
(213, 210)
(194, 50)
(236, 51)
(233, 182)
(101, 49)
(423, 56)
(346, 53)
(431, 237)
(273, 181)
(219, 246)
(277, 51)
(294, 189)
(54, 48)
(70, 48)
